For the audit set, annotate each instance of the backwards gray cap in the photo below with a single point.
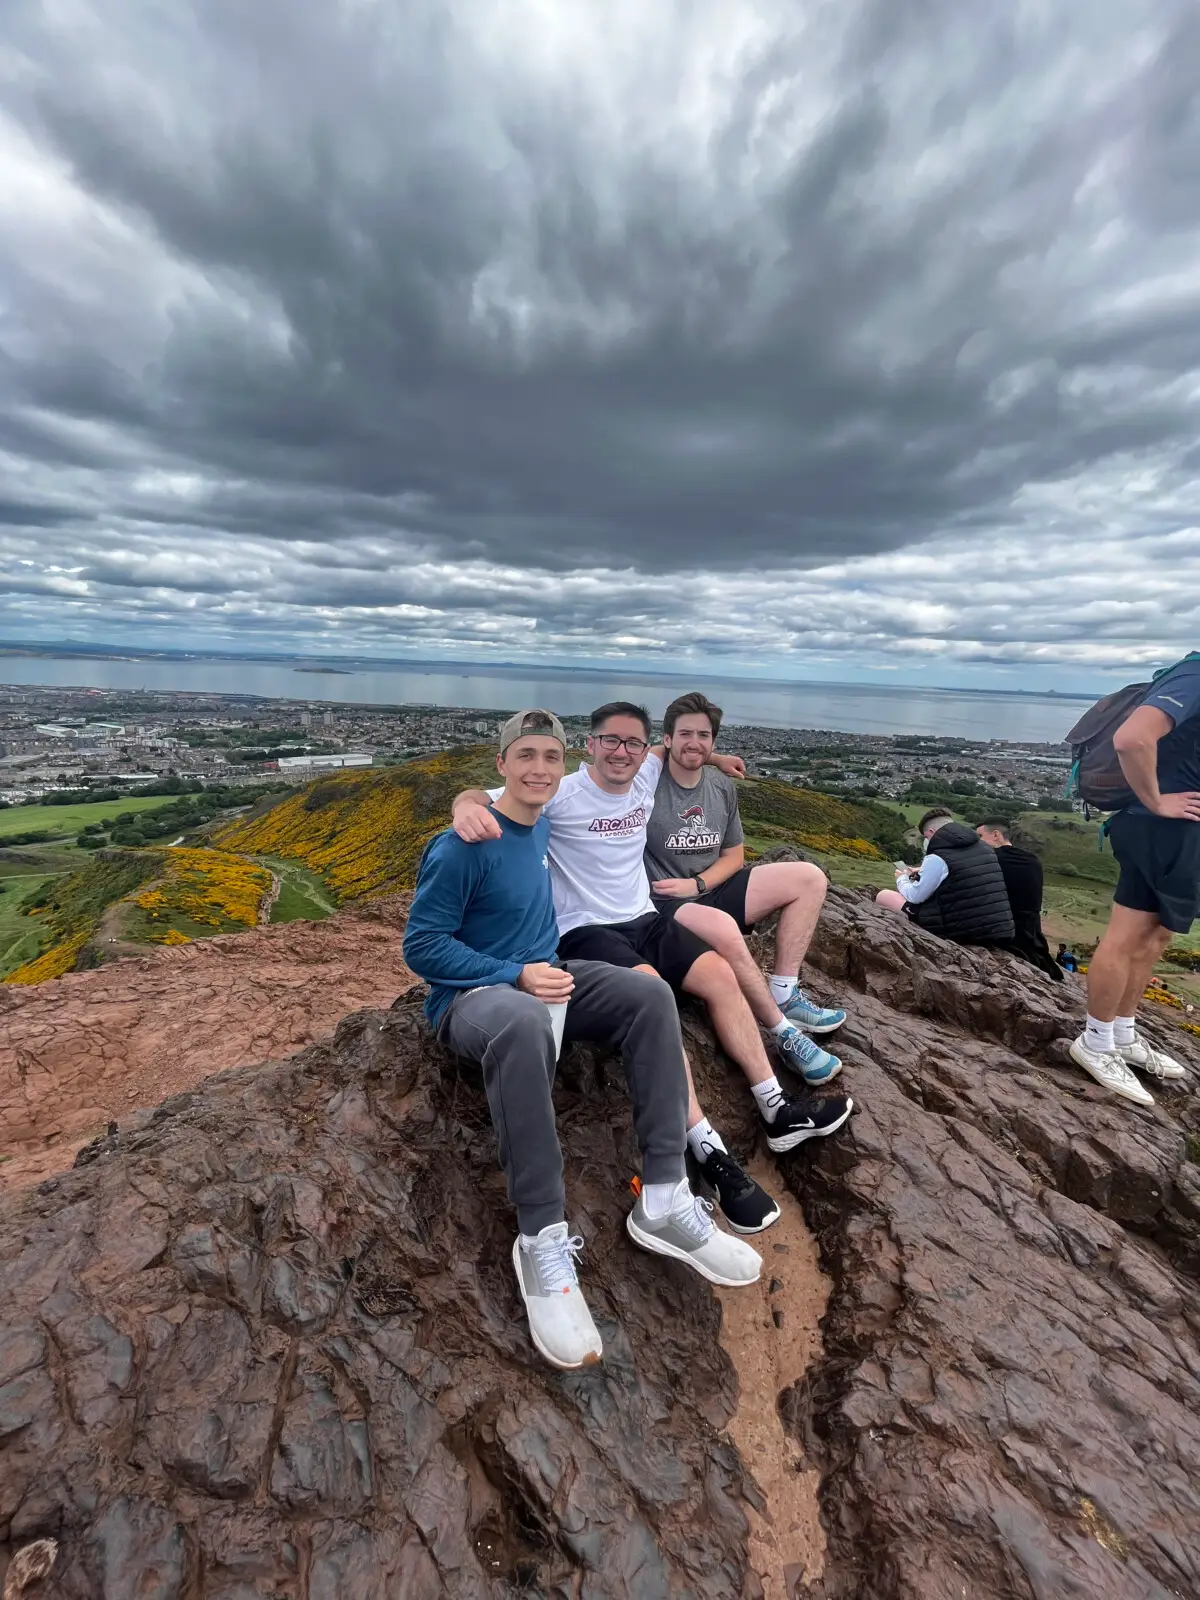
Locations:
(535, 721)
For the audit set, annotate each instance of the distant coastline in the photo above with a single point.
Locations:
(352, 666)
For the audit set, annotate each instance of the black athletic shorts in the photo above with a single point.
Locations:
(652, 941)
(729, 896)
(1159, 859)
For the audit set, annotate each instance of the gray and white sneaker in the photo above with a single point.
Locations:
(688, 1234)
(560, 1323)
(1142, 1055)
(1110, 1072)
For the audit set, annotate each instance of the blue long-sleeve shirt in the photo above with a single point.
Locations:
(481, 911)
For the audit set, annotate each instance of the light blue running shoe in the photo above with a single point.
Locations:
(807, 1014)
(803, 1056)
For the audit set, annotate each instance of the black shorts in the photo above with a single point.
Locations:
(650, 941)
(1159, 859)
(729, 896)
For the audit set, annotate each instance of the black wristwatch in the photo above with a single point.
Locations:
(701, 886)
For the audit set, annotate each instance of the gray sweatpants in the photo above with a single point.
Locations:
(508, 1033)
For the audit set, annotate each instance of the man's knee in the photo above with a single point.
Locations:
(711, 977)
(807, 880)
(643, 987)
(522, 1014)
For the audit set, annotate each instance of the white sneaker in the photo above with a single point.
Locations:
(1146, 1058)
(688, 1233)
(1110, 1071)
(560, 1323)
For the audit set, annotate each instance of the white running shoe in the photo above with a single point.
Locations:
(560, 1323)
(688, 1233)
(1142, 1055)
(1110, 1071)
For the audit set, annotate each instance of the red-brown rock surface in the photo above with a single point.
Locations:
(265, 1342)
(83, 1050)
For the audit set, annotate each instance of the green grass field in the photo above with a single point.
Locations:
(66, 821)
(19, 936)
(303, 894)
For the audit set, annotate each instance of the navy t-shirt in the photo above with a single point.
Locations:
(1177, 695)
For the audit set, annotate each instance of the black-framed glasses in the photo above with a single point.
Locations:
(609, 741)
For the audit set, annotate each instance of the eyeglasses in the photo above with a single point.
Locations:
(609, 741)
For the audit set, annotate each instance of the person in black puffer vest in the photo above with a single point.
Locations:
(959, 891)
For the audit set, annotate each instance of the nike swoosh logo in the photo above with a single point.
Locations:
(1171, 701)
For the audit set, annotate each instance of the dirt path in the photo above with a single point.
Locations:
(269, 899)
(772, 1335)
(95, 1046)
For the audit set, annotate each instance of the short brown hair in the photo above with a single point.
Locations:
(930, 816)
(689, 705)
(620, 708)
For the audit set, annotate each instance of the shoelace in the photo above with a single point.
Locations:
(799, 1044)
(555, 1263)
(729, 1177)
(694, 1216)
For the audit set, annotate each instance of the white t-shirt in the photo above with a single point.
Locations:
(597, 844)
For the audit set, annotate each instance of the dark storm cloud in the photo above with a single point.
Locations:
(349, 307)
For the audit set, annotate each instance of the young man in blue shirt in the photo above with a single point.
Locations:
(483, 932)
(1157, 845)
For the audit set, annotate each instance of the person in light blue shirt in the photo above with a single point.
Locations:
(482, 932)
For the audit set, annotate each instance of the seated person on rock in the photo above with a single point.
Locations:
(1156, 841)
(696, 863)
(482, 933)
(1023, 878)
(605, 913)
(958, 891)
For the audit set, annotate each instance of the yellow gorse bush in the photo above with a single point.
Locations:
(364, 832)
(209, 887)
(52, 963)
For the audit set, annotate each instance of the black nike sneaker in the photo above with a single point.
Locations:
(746, 1206)
(805, 1116)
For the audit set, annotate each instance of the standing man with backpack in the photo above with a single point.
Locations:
(1143, 762)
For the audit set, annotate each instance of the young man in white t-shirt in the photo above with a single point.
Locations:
(605, 913)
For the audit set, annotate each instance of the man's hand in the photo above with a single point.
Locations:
(1186, 805)
(731, 766)
(676, 888)
(473, 823)
(544, 982)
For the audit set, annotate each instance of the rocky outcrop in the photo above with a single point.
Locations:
(265, 1342)
(79, 1051)
(1009, 1402)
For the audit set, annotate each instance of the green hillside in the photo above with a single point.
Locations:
(363, 832)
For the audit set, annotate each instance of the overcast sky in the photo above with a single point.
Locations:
(790, 336)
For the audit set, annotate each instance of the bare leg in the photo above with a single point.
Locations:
(694, 1112)
(714, 981)
(721, 932)
(1120, 969)
(796, 889)
(1143, 970)
(891, 899)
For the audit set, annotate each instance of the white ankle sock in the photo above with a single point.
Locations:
(769, 1096)
(781, 1026)
(704, 1139)
(1124, 1030)
(781, 987)
(657, 1198)
(528, 1240)
(1099, 1036)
